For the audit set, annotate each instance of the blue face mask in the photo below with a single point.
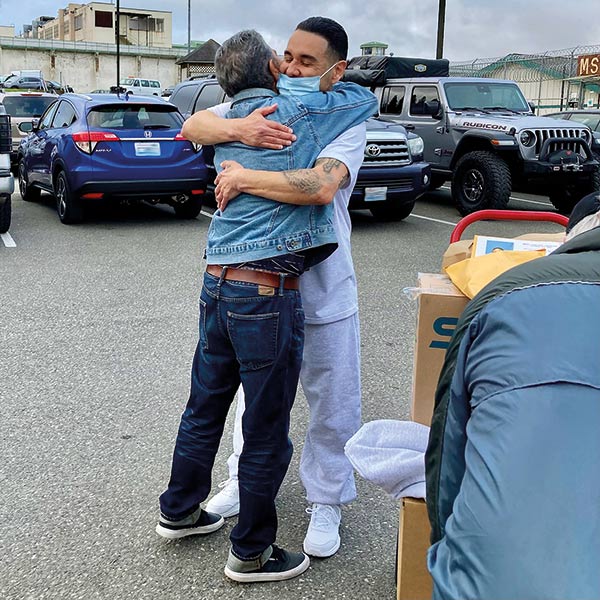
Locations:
(298, 86)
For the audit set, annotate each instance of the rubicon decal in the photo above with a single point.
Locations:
(494, 126)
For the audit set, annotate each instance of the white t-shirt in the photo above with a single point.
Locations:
(328, 289)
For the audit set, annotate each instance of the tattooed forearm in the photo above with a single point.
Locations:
(304, 180)
(335, 169)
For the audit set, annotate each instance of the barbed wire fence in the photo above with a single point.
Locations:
(549, 79)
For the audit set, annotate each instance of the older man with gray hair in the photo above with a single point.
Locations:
(251, 317)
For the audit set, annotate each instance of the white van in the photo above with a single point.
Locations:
(143, 87)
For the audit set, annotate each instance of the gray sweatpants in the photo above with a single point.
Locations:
(330, 378)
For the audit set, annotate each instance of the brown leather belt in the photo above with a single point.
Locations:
(259, 277)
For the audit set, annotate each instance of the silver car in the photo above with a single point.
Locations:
(24, 106)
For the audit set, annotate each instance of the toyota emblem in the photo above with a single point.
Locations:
(147, 134)
(373, 150)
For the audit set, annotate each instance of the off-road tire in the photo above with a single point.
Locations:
(5, 213)
(28, 192)
(189, 209)
(388, 211)
(68, 207)
(481, 180)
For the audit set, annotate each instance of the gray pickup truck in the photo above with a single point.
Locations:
(481, 134)
(7, 182)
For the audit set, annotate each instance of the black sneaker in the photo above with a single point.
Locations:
(275, 564)
(198, 523)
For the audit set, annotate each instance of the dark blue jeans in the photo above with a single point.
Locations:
(256, 335)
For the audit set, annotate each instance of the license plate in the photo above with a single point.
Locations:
(375, 194)
(147, 148)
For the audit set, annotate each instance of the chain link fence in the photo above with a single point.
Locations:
(549, 80)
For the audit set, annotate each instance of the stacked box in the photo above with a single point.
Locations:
(439, 305)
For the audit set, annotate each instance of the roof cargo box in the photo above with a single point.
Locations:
(375, 70)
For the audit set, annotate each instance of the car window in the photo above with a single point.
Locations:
(27, 106)
(183, 97)
(392, 100)
(482, 95)
(117, 116)
(64, 116)
(210, 95)
(145, 83)
(155, 84)
(424, 100)
(46, 118)
(591, 120)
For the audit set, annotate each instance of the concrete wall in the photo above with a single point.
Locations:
(86, 71)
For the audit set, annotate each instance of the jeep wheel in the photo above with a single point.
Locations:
(69, 208)
(28, 192)
(386, 211)
(4, 213)
(481, 180)
(189, 209)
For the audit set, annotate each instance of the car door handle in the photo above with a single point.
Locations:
(409, 127)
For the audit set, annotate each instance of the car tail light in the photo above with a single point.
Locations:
(180, 138)
(197, 192)
(86, 141)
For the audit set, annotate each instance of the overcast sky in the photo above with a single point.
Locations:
(474, 28)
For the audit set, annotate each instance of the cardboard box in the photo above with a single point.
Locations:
(439, 305)
(413, 579)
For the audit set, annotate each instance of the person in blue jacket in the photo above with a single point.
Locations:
(513, 484)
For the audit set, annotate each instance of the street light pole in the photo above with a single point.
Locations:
(439, 53)
(189, 25)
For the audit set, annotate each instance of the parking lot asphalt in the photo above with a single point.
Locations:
(99, 325)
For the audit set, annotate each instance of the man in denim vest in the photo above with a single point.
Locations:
(251, 317)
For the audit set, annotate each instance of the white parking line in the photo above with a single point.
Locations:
(206, 214)
(8, 241)
(432, 219)
(548, 204)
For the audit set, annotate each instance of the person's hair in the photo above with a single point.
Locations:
(333, 32)
(242, 62)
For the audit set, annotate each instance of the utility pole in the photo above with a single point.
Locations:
(117, 24)
(439, 53)
(189, 25)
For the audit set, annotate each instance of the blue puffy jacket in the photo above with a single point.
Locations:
(513, 477)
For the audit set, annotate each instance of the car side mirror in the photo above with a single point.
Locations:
(438, 115)
(28, 126)
(532, 106)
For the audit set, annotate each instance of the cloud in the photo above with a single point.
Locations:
(474, 28)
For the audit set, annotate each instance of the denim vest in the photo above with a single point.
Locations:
(253, 228)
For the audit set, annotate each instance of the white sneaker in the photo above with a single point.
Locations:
(227, 502)
(323, 537)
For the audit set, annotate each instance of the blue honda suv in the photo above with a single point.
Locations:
(89, 147)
